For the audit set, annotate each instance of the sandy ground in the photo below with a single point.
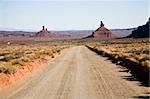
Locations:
(77, 74)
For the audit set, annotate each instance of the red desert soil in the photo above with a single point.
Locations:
(6, 80)
(77, 74)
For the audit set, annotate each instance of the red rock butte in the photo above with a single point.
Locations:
(102, 33)
(45, 33)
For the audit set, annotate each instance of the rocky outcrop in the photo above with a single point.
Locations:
(140, 32)
(102, 33)
(45, 33)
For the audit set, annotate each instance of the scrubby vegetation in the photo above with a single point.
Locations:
(15, 56)
(133, 55)
(136, 52)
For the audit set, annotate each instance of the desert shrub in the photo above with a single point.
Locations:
(146, 51)
(52, 56)
(2, 69)
(146, 63)
(10, 70)
(17, 62)
(25, 59)
(7, 58)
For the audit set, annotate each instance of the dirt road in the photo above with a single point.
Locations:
(77, 74)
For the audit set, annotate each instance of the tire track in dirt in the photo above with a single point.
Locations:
(67, 81)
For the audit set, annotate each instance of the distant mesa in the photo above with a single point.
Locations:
(141, 31)
(102, 33)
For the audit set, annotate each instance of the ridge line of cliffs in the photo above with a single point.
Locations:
(141, 31)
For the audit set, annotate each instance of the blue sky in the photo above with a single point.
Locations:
(72, 15)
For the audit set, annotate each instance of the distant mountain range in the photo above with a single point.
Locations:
(15, 33)
(13, 29)
(72, 33)
(122, 32)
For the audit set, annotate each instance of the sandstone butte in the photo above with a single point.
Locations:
(45, 33)
(102, 33)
